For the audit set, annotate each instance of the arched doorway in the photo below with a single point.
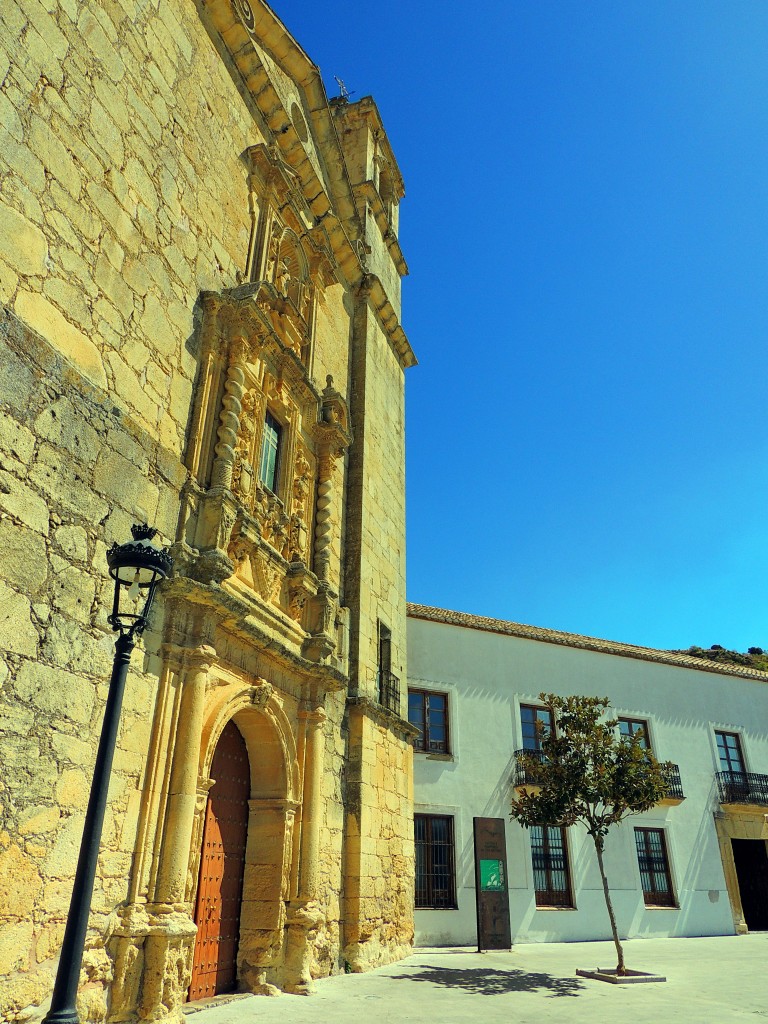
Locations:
(222, 867)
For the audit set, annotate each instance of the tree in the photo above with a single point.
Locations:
(588, 773)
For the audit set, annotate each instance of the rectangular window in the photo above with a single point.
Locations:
(389, 684)
(270, 452)
(536, 724)
(654, 867)
(435, 870)
(551, 878)
(429, 713)
(729, 749)
(635, 727)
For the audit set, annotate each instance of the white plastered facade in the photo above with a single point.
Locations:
(488, 669)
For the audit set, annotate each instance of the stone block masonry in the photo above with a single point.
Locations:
(112, 212)
(184, 219)
(59, 511)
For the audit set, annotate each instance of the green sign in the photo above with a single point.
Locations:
(491, 875)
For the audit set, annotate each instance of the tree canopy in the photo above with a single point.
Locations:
(587, 773)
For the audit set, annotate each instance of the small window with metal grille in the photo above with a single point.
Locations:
(654, 867)
(389, 683)
(551, 874)
(435, 862)
(428, 712)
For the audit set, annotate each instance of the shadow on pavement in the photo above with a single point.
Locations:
(484, 982)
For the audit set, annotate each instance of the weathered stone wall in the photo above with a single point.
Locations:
(378, 884)
(122, 190)
(74, 469)
(376, 535)
(124, 195)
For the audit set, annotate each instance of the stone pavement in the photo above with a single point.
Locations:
(709, 981)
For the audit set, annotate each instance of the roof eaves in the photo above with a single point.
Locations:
(589, 643)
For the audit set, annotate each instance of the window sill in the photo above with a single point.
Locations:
(556, 909)
(660, 906)
(436, 908)
(430, 755)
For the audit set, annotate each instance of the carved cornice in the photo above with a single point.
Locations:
(367, 192)
(382, 716)
(245, 27)
(373, 290)
(253, 311)
(237, 615)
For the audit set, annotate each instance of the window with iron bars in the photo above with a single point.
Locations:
(654, 867)
(388, 682)
(435, 862)
(551, 876)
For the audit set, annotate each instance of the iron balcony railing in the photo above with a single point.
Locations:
(389, 691)
(527, 767)
(672, 775)
(743, 788)
(527, 764)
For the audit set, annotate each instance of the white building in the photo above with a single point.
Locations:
(473, 692)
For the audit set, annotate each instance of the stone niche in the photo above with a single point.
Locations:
(263, 506)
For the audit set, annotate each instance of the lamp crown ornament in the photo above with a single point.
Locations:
(143, 531)
(136, 566)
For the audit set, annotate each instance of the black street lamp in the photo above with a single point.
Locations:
(137, 568)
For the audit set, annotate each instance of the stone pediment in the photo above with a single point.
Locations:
(288, 91)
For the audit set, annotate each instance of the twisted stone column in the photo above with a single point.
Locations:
(229, 420)
(323, 519)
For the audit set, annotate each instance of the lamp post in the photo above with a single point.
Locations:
(137, 568)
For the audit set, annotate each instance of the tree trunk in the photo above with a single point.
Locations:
(620, 968)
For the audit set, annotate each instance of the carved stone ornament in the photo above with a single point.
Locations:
(243, 471)
(280, 542)
(267, 575)
(333, 432)
(260, 693)
(301, 586)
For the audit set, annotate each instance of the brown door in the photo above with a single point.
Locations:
(222, 863)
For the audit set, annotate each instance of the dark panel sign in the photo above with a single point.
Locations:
(492, 894)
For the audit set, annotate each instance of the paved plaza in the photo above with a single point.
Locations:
(709, 980)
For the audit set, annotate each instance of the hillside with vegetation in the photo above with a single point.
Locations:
(754, 658)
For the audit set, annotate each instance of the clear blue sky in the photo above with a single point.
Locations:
(586, 225)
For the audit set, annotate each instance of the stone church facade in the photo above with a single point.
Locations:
(200, 283)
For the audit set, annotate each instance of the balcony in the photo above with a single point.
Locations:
(527, 774)
(527, 777)
(675, 794)
(743, 788)
(389, 691)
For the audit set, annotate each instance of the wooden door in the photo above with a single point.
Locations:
(222, 864)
